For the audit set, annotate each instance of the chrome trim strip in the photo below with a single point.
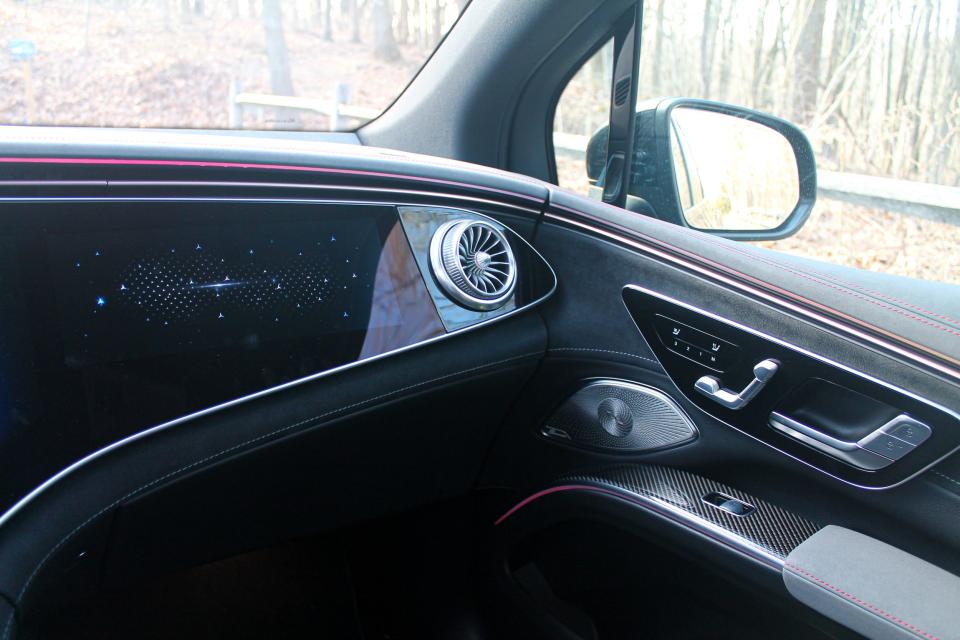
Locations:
(252, 185)
(319, 187)
(63, 473)
(829, 441)
(54, 183)
(850, 453)
(815, 356)
(759, 293)
(308, 169)
(122, 198)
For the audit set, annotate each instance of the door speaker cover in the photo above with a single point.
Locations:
(620, 416)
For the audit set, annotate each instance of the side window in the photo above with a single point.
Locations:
(876, 89)
(583, 109)
(873, 89)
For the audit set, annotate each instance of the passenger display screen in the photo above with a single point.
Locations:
(125, 315)
(148, 292)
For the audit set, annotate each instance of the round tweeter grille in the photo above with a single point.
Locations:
(615, 416)
(473, 264)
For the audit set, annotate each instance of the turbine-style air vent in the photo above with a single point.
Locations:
(473, 263)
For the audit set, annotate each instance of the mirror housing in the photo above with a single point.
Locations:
(660, 162)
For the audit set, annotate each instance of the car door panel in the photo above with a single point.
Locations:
(592, 336)
(519, 412)
(99, 529)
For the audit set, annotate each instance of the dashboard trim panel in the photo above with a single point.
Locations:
(266, 166)
(143, 433)
(137, 184)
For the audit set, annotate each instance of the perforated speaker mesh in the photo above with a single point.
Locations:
(621, 416)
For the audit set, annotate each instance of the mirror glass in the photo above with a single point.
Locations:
(732, 173)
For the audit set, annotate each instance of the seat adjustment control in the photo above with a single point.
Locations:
(713, 389)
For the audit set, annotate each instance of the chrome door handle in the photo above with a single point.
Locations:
(713, 388)
(876, 450)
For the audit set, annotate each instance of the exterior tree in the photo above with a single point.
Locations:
(806, 74)
(384, 43)
(354, 9)
(281, 82)
(707, 44)
(403, 25)
(326, 9)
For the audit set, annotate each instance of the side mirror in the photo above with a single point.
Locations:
(723, 169)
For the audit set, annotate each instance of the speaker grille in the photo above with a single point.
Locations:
(621, 416)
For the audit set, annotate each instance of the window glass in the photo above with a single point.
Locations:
(876, 88)
(583, 108)
(256, 64)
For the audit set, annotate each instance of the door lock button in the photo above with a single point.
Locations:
(907, 429)
(887, 446)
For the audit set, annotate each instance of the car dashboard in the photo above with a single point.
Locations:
(141, 297)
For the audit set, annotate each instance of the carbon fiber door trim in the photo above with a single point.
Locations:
(769, 533)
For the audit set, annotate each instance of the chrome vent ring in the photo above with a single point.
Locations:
(473, 264)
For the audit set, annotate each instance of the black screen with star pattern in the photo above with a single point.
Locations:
(123, 315)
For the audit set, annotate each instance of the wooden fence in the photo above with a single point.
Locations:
(337, 110)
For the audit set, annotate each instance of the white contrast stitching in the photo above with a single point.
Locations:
(620, 353)
(946, 477)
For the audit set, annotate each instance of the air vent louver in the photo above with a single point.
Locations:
(473, 263)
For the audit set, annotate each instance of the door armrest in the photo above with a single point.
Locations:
(873, 588)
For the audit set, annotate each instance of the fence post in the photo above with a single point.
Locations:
(234, 110)
(341, 96)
